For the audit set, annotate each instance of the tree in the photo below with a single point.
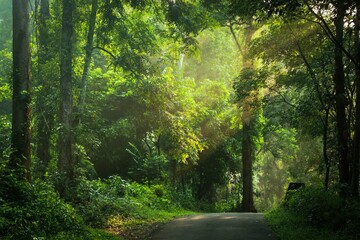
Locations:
(242, 14)
(66, 141)
(20, 143)
(336, 19)
(250, 111)
(340, 96)
(356, 141)
(301, 55)
(45, 116)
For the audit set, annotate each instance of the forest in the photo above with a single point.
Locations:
(119, 115)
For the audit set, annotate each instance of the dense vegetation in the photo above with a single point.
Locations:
(118, 115)
(314, 213)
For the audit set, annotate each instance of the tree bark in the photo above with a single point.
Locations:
(356, 140)
(247, 204)
(20, 139)
(45, 122)
(341, 101)
(65, 141)
(248, 116)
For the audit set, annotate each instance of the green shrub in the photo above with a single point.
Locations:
(97, 200)
(318, 207)
(184, 199)
(36, 212)
(352, 215)
(290, 226)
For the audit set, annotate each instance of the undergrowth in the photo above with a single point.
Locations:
(313, 213)
(36, 211)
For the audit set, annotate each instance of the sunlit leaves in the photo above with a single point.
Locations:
(248, 83)
(5, 75)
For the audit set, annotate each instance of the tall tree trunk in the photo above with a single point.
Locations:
(340, 96)
(65, 142)
(356, 141)
(45, 120)
(248, 116)
(247, 204)
(20, 139)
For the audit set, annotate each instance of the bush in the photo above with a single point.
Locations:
(37, 212)
(352, 215)
(97, 200)
(318, 207)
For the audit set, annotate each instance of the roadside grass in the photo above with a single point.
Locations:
(288, 226)
(109, 209)
(127, 228)
(103, 235)
(141, 227)
(91, 234)
(317, 214)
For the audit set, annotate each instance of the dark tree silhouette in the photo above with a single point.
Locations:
(20, 140)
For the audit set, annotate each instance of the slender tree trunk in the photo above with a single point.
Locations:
(45, 122)
(356, 141)
(65, 142)
(89, 50)
(340, 96)
(326, 122)
(326, 158)
(20, 139)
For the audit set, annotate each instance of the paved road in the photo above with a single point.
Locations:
(216, 226)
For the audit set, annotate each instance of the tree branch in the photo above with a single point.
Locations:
(283, 97)
(235, 38)
(323, 24)
(105, 50)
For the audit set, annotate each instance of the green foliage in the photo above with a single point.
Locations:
(33, 211)
(97, 201)
(175, 110)
(289, 226)
(92, 233)
(249, 81)
(189, 18)
(321, 208)
(5, 133)
(5, 23)
(150, 167)
(318, 213)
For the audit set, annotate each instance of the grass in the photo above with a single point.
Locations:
(288, 226)
(131, 228)
(101, 234)
(112, 209)
(142, 227)
(90, 234)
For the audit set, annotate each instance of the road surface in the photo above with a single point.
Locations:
(216, 226)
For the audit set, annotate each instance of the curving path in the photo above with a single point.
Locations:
(217, 226)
